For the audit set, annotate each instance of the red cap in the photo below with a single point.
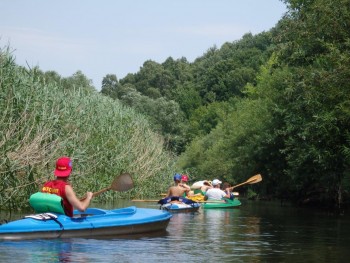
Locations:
(184, 178)
(63, 167)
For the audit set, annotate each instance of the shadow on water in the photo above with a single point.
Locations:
(256, 232)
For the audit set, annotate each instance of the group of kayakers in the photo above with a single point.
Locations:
(202, 190)
(216, 193)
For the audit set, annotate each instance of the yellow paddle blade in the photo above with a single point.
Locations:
(252, 180)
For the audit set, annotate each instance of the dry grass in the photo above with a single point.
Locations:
(42, 121)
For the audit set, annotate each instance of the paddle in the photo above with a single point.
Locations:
(121, 183)
(252, 180)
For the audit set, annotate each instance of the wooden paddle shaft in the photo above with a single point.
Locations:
(121, 183)
(239, 185)
(101, 191)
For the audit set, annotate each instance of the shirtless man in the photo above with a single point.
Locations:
(179, 189)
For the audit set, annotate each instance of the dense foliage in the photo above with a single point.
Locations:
(187, 97)
(45, 116)
(276, 103)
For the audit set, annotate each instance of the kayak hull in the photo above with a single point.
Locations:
(181, 208)
(93, 223)
(222, 205)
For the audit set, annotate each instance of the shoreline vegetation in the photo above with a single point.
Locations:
(42, 120)
(275, 103)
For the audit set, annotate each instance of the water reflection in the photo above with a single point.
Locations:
(57, 250)
(256, 232)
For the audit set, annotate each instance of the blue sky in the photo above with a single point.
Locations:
(118, 36)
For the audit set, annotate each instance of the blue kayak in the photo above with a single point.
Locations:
(181, 207)
(94, 222)
(178, 204)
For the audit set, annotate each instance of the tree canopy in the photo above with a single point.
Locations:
(275, 103)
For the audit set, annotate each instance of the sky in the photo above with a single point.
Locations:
(100, 37)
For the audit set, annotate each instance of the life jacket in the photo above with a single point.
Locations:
(44, 203)
(58, 187)
(175, 198)
(199, 191)
(196, 198)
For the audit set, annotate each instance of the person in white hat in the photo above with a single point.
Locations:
(216, 193)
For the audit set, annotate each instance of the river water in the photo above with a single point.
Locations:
(255, 232)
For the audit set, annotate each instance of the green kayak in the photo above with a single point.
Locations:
(226, 203)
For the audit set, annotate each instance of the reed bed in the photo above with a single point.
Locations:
(41, 121)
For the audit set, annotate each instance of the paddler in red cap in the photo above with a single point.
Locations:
(61, 187)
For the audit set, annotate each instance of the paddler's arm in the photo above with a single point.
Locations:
(80, 205)
(228, 193)
(187, 188)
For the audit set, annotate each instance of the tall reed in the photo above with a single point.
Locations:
(41, 121)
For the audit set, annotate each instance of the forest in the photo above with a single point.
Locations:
(276, 103)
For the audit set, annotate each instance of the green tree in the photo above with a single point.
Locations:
(110, 86)
(315, 47)
(78, 81)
